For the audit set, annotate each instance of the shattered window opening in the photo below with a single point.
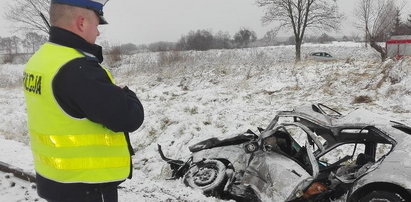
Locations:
(382, 150)
(341, 151)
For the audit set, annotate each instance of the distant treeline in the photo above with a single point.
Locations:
(202, 40)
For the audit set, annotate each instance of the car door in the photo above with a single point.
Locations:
(299, 190)
(277, 175)
(274, 176)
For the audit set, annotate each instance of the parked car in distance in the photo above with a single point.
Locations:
(319, 56)
(312, 153)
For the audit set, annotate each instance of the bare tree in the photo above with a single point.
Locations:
(7, 45)
(199, 40)
(26, 14)
(270, 37)
(325, 38)
(33, 41)
(409, 22)
(10, 44)
(15, 40)
(377, 19)
(222, 40)
(244, 37)
(355, 36)
(300, 15)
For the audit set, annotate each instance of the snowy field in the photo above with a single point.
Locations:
(191, 96)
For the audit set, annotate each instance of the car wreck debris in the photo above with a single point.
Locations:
(312, 153)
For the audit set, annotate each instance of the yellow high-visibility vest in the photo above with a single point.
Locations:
(68, 149)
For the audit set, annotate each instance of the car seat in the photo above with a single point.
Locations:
(284, 141)
(363, 159)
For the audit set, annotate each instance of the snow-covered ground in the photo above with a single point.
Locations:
(191, 96)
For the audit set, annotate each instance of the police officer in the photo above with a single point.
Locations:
(78, 119)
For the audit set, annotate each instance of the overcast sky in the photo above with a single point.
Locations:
(147, 21)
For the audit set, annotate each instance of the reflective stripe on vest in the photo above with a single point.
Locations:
(68, 149)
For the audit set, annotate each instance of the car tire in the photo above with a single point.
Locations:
(383, 196)
(208, 176)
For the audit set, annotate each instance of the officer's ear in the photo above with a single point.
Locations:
(81, 23)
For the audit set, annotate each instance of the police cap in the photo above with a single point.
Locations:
(95, 5)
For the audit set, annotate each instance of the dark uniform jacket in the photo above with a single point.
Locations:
(83, 90)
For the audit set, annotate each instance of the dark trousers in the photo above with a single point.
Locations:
(103, 194)
(76, 192)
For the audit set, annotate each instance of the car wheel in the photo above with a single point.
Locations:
(208, 176)
(382, 196)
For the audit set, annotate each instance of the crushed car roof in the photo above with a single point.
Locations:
(357, 119)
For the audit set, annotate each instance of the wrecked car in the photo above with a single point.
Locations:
(312, 153)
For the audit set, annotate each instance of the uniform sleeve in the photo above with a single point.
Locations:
(83, 90)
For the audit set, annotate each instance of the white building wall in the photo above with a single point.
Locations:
(399, 46)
